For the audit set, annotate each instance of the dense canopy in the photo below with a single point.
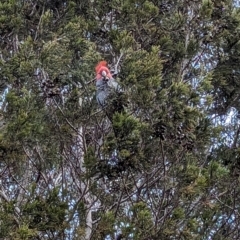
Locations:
(167, 167)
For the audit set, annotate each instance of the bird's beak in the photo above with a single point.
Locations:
(104, 74)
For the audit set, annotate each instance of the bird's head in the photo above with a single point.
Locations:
(99, 65)
(102, 71)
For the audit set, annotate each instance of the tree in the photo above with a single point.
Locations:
(165, 168)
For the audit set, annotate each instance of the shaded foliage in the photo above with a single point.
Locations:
(165, 167)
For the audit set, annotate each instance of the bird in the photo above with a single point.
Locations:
(108, 91)
(103, 75)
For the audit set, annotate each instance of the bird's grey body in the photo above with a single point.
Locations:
(104, 88)
(103, 91)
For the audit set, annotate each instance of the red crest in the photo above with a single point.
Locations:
(99, 65)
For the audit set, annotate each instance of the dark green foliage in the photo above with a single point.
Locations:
(46, 214)
(161, 161)
(8, 223)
